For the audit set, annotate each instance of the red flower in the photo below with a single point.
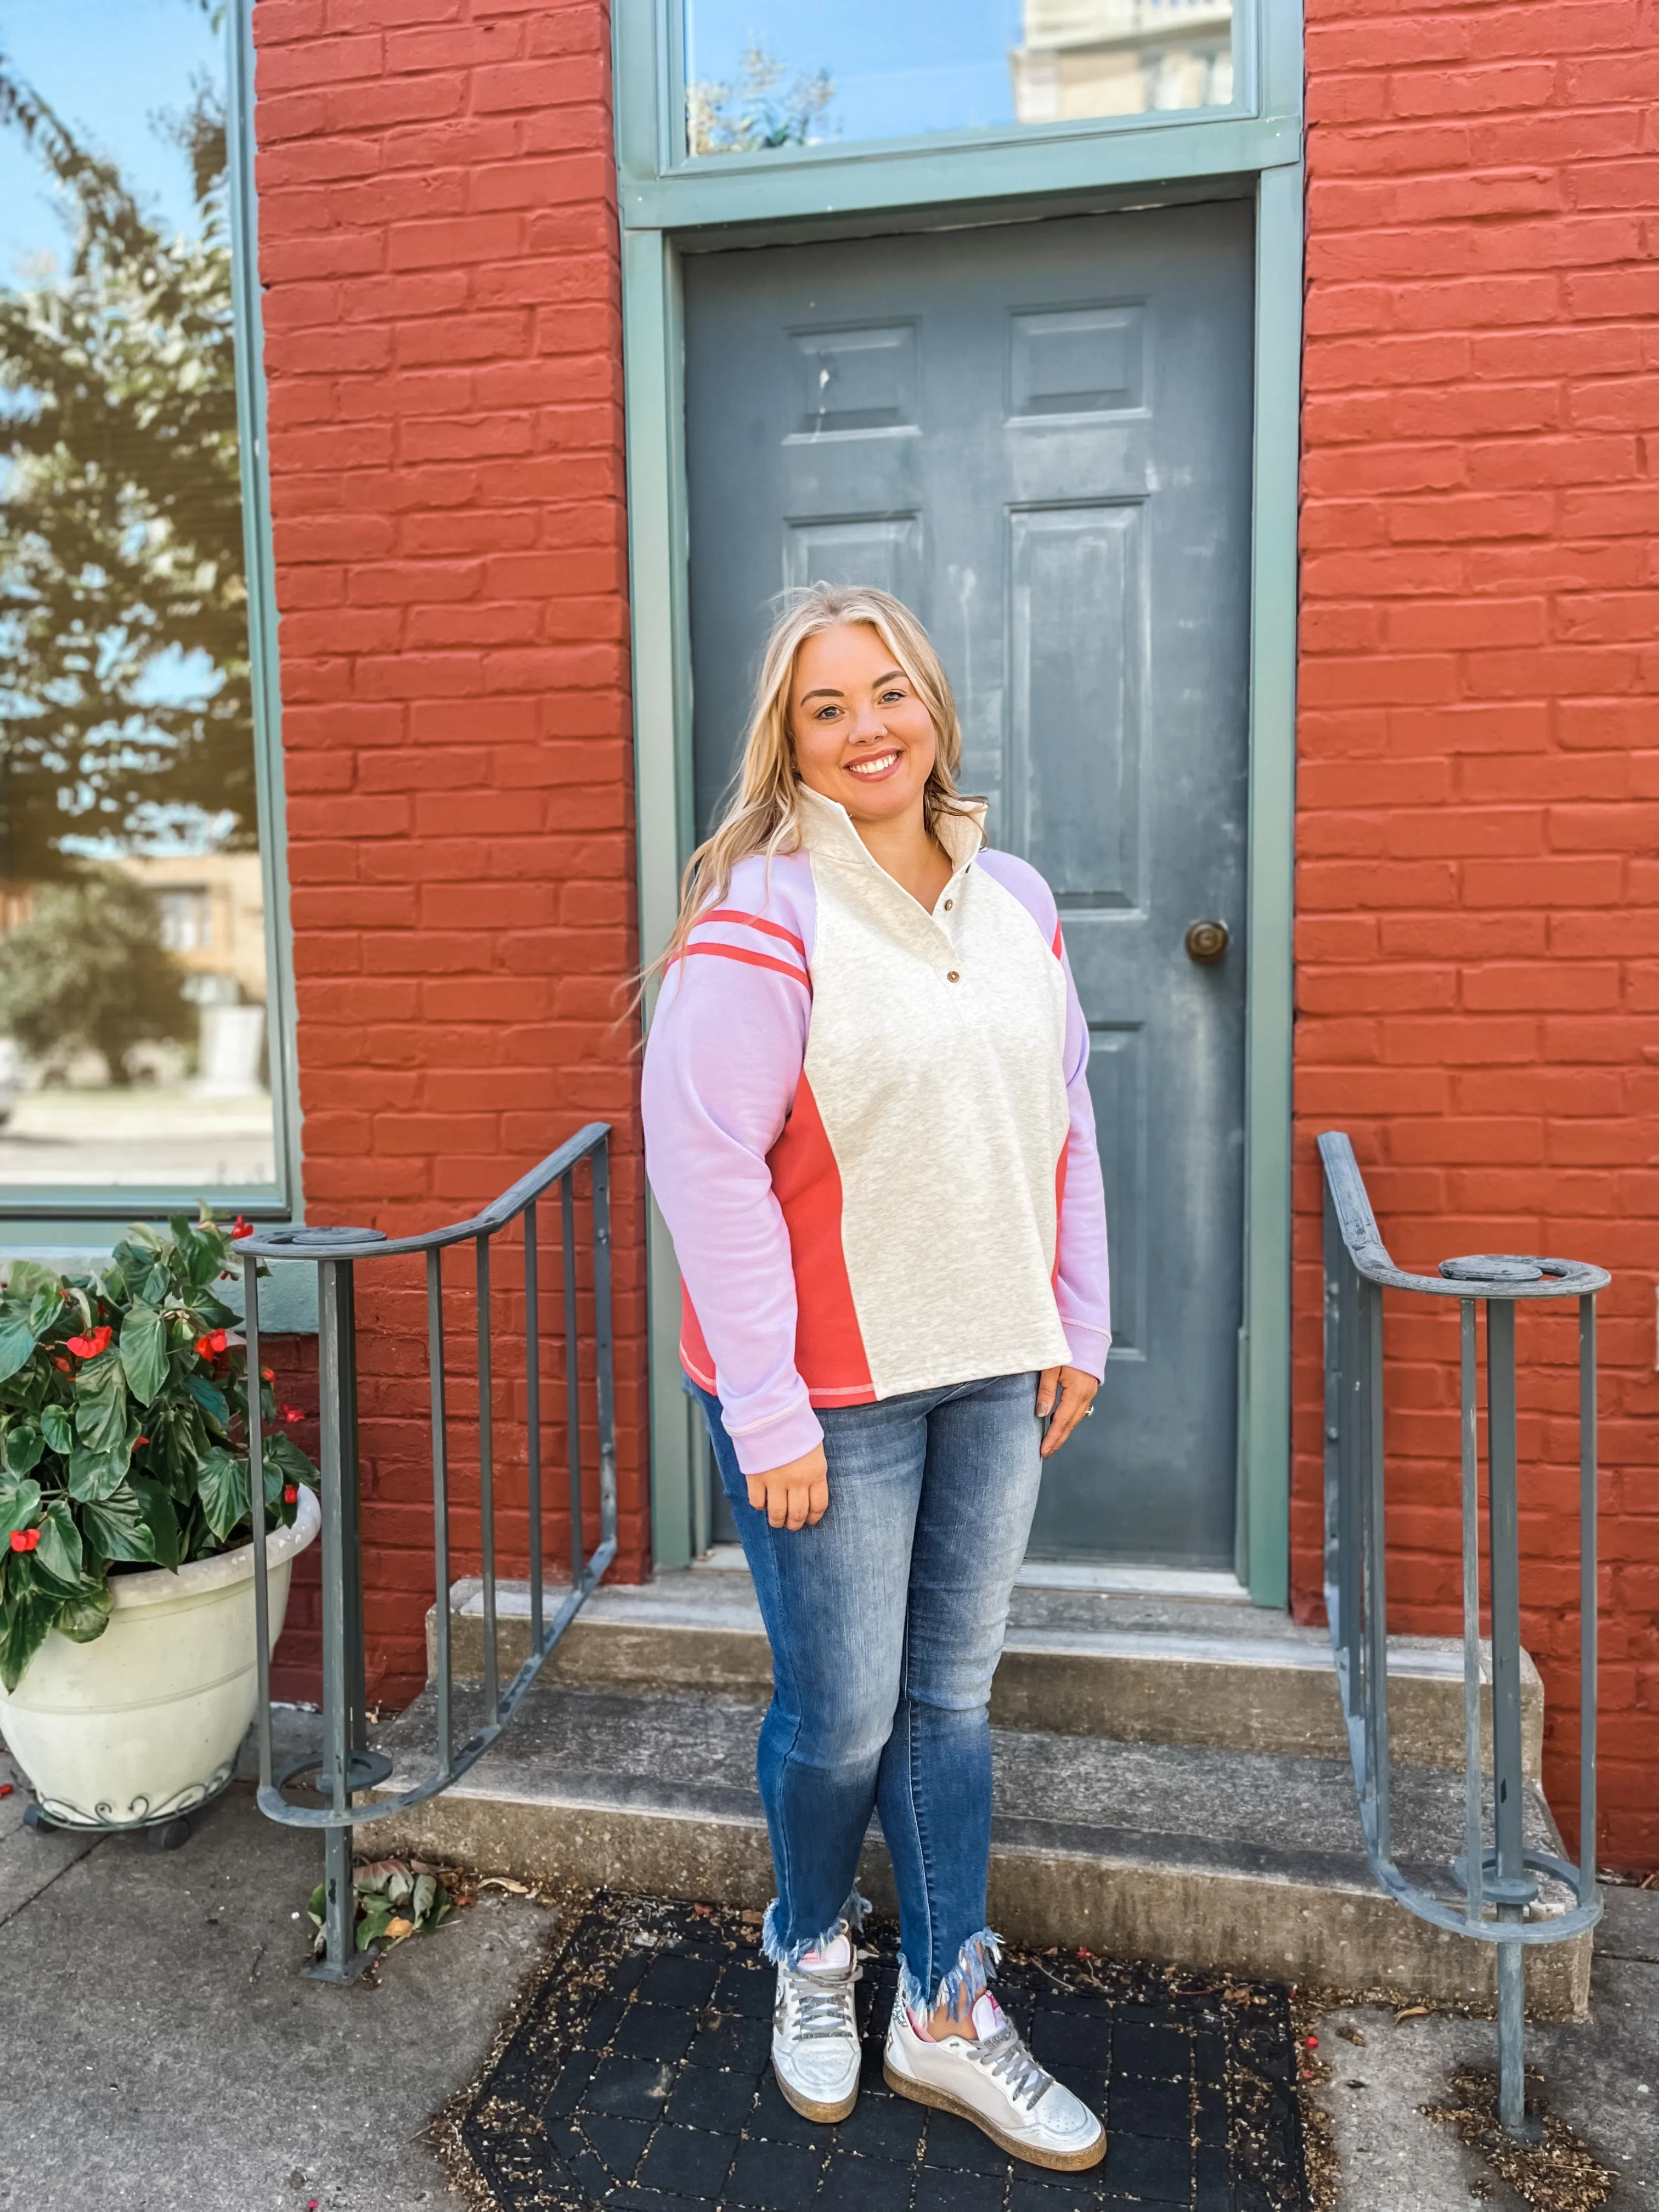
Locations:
(240, 1228)
(139, 1440)
(213, 1342)
(25, 1540)
(292, 1413)
(63, 1366)
(89, 1347)
(290, 1494)
(267, 1374)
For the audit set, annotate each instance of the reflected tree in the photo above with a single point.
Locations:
(88, 971)
(765, 107)
(124, 696)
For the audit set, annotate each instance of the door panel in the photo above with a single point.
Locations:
(1039, 437)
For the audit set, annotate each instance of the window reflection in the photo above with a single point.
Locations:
(133, 983)
(1082, 57)
(799, 72)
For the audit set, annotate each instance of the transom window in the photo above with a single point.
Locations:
(761, 74)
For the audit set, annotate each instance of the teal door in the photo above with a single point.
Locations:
(1039, 436)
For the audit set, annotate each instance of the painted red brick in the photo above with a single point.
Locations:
(438, 246)
(1475, 905)
(1476, 889)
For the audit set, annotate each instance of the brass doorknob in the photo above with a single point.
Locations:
(1207, 941)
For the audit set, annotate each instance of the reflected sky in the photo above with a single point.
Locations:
(107, 66)
(899, 71)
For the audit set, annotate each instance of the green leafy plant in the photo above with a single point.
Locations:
(393, 1898)
(124, 1430)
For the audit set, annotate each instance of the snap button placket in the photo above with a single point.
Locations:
(952, 977)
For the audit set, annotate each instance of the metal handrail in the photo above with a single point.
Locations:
(1502, 1880)
(345, 1764)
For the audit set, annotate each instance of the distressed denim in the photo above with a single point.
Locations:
(886, 1622)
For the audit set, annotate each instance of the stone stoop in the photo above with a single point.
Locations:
(1172, 1779)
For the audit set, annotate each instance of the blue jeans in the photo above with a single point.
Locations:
(886, 1622)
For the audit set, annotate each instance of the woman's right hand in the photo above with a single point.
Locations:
(795, 1495)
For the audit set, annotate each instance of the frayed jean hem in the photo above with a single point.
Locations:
(791, 1954)
(971, 1976)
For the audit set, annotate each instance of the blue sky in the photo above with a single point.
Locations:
(107, 66)
(901, 67)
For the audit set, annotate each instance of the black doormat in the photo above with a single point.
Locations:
(637, 2078)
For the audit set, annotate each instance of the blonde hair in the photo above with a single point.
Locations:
(761, 812)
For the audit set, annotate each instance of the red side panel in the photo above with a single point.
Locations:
(829, 1345)
(1059, 1204)
(696, 1358)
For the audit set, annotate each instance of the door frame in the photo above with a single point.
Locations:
(669, 208)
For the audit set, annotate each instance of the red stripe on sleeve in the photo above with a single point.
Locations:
(752, 960)
(1055, 947)
(753, 922)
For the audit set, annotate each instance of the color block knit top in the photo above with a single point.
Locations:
(870, 1132)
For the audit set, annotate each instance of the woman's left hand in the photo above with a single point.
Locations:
(1067, 1393)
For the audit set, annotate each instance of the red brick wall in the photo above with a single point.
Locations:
(438, 247)
(1476, 886)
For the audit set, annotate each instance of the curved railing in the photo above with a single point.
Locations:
(1498, 1883)
(346, 1763)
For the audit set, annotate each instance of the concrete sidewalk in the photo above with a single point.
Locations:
(1602, 2077)
(160, 2048)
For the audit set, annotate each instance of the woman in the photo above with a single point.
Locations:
(868, 1125)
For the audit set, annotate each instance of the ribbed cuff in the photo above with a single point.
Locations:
(1089, 1346)
(762, 1445)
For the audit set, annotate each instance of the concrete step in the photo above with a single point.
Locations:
(1206, 1855)
(1140, 1666)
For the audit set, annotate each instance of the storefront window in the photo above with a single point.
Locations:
(134, 1049)
(768, 73)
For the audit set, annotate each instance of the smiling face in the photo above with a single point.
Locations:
(862, 736)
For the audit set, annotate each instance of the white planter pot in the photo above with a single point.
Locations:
(145, 1724)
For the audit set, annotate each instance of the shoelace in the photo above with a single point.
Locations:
(1005, 2056)
(821, 2011)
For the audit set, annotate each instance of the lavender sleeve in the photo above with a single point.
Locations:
(722, 1064)
(1082, 1277)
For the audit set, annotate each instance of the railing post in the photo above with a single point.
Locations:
(532, 1416)
(1588, 1598)
(486, 1484)
(435, 1353)
(1350, 1577)
(342, 1612)
(1376, 1562)
(1331, 1342)
(605, 1378)
(573, 1384)
(256, 1475)
(1473, 1847)
(1511, 1887)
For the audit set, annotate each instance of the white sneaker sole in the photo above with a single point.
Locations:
(924, 2092)
(808, 2108)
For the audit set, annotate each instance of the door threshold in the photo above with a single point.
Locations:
(1094, 1578)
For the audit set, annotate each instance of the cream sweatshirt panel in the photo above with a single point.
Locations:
(930, 1088)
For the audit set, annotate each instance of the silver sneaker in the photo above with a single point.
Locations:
(815, 2037)
(997, 2084)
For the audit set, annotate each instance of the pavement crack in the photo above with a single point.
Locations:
(23, 1903)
